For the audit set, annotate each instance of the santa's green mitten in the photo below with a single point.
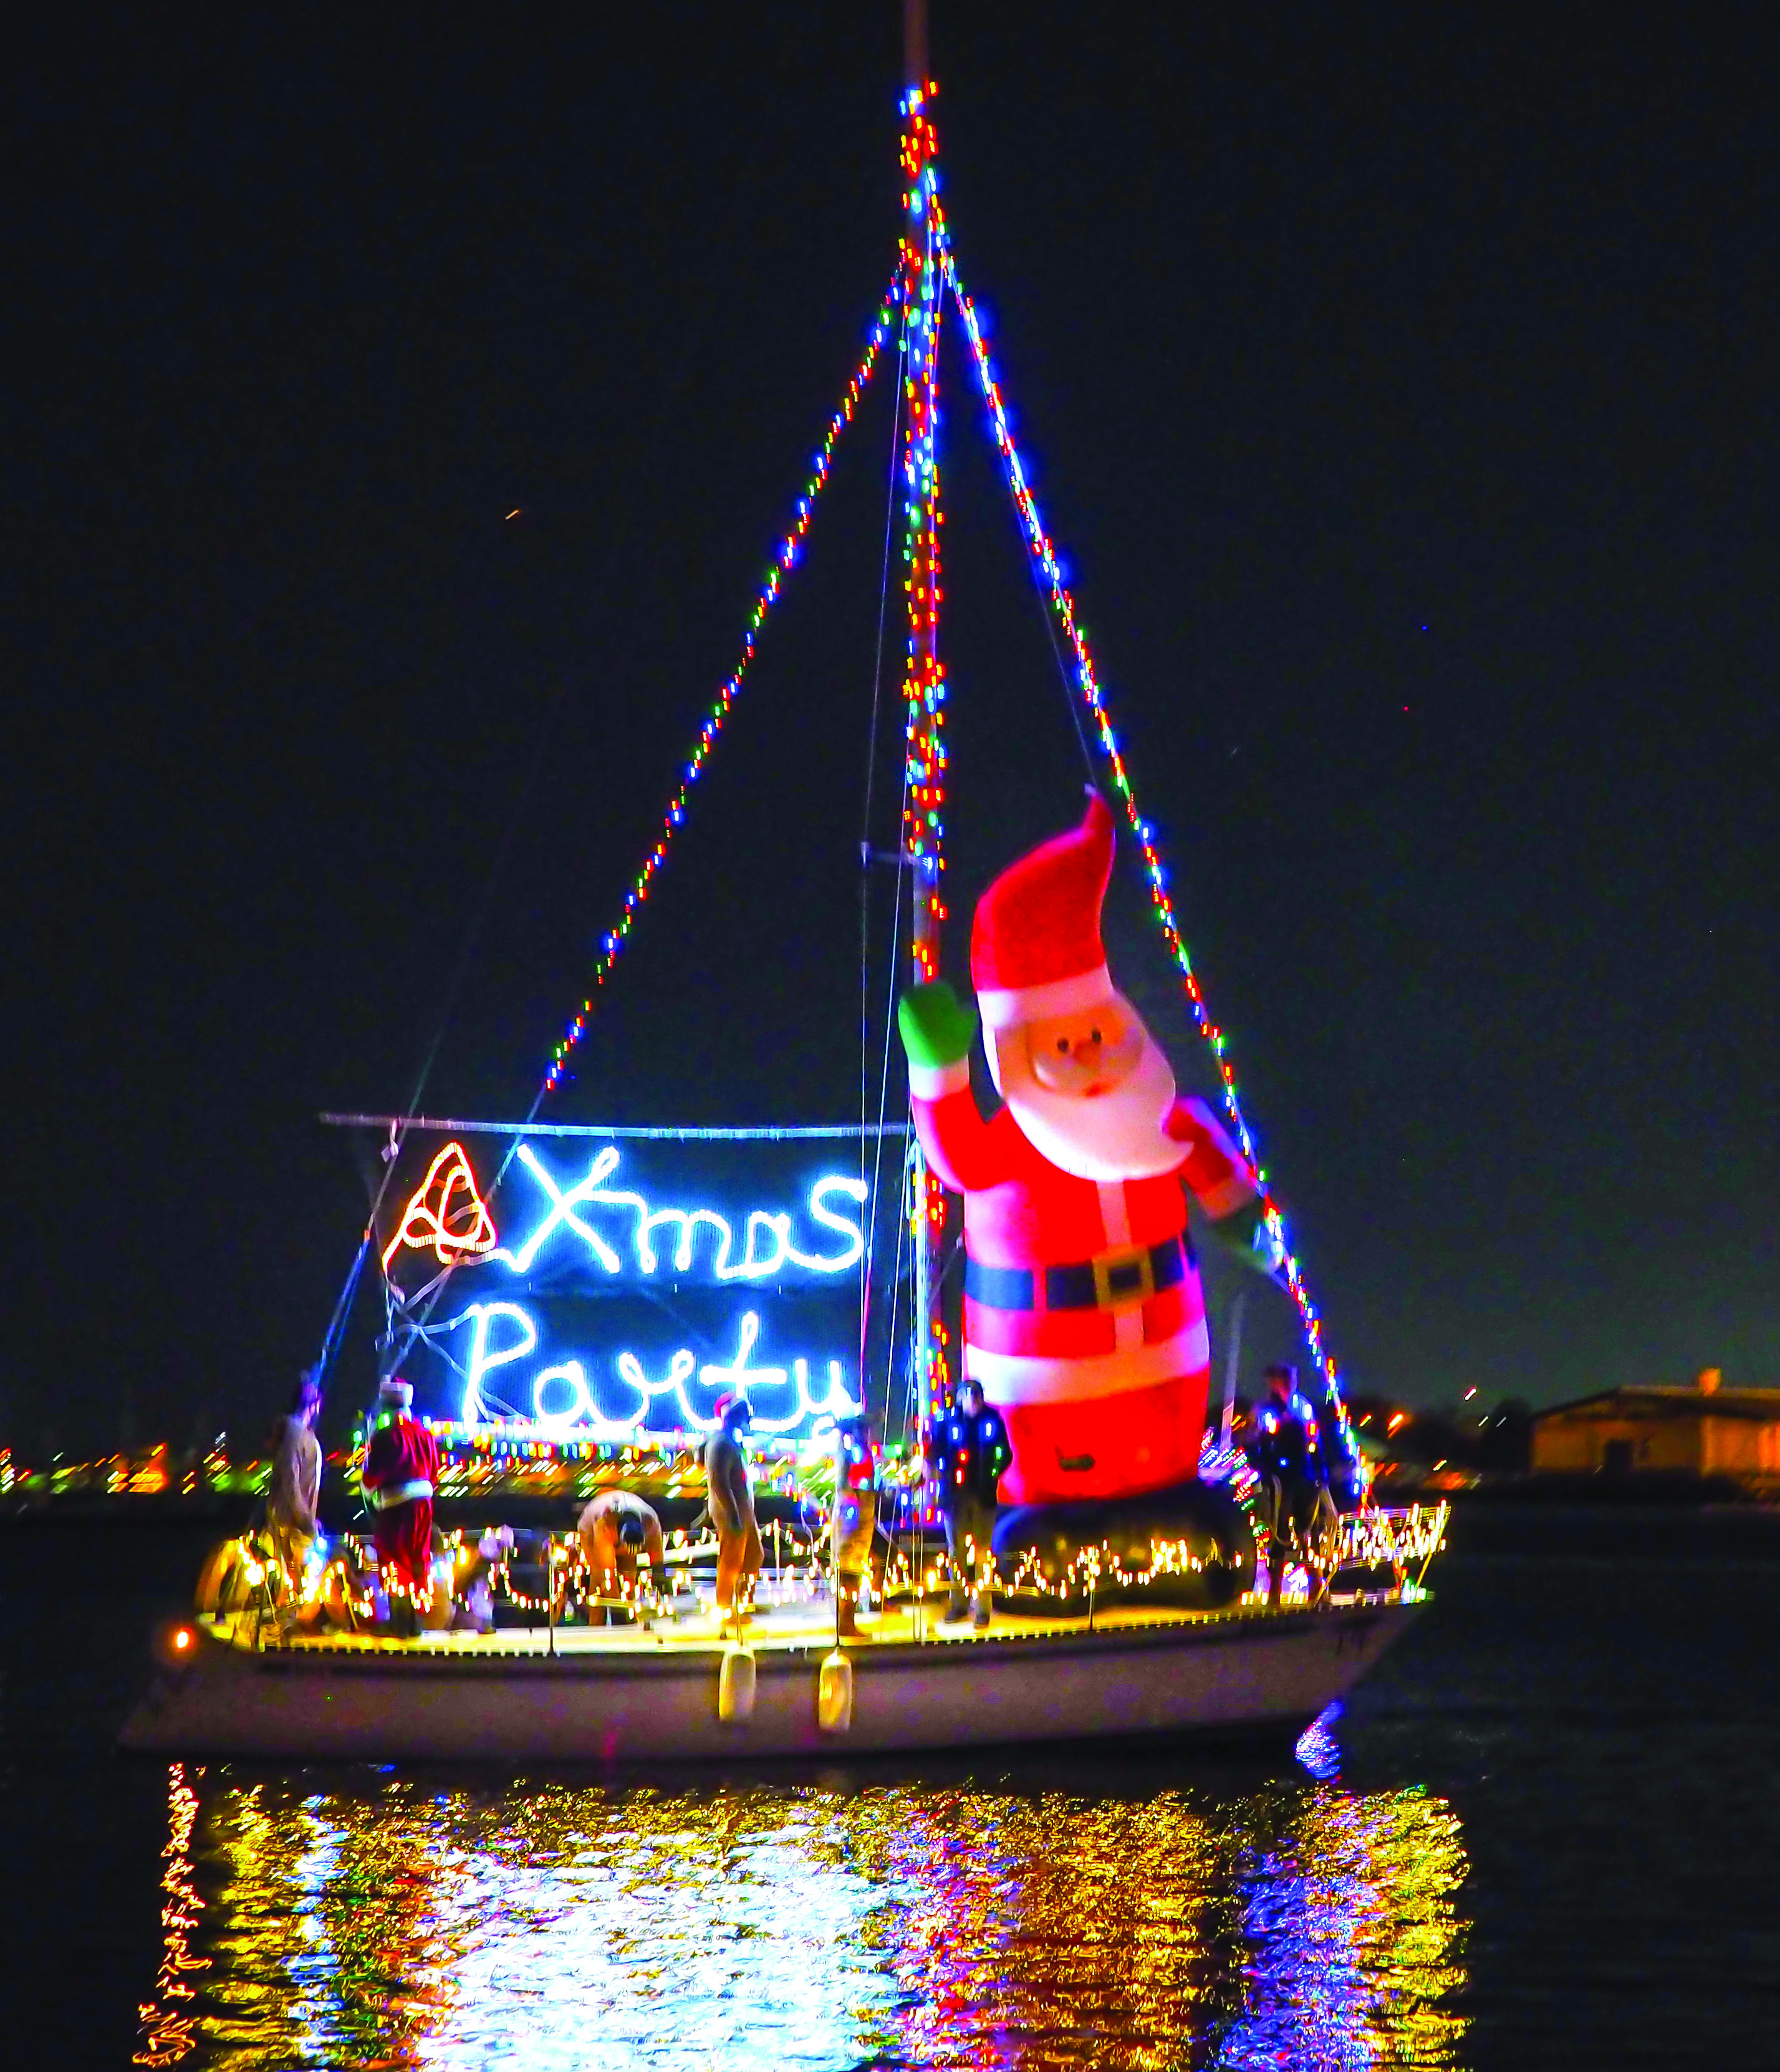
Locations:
(937, 1028)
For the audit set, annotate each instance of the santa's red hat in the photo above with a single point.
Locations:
(1035, 950)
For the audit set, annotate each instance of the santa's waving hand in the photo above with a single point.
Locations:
(1084, 1319)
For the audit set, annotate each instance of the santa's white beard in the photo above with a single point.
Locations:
(1114, 1135)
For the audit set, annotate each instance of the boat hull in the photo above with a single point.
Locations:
(1249, 1672)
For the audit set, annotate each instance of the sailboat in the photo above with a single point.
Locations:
(574, 1301)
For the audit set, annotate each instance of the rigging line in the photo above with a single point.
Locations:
(769, 1133)
(883, 590)
(883, 1104)
(466, 956)
(883, 1086)
(1047, 613)
(911, 1384)
(336, 1332)
(546, 732)
(432, 1337)
(479, 913)
(1040, 593)
(865, 831)
(1044, 553)
(785, 557)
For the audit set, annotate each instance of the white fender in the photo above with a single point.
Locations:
(735, 1683)
(834, 1695)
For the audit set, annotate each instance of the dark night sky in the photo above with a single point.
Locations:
(1399, 384)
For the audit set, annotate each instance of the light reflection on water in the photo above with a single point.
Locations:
(988, 1921)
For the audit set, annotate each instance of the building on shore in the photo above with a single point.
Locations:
(1700, 1428)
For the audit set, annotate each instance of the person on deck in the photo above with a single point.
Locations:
(852, 1520)
(296, 1485)
(1340, 1466)
(1294, 1491)
(966, 1452)
(471, 1606)
(401, 1464)
(615, 1529)
(730, 1502)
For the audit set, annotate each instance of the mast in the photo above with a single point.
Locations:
(914, 43)
(924, 684)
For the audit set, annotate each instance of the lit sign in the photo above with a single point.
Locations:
(626, 1320)
(564, 1404)
(447, 1211)
(609, 1223)
(767, 1246)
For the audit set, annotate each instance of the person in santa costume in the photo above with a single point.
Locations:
(1084, 1319)
(401, 1464)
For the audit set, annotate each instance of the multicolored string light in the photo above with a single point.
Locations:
(926, 260)
(789, 551)
(923, 682)
(1062, 604)
(923, 679)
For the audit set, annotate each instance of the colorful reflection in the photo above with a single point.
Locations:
(388, 1922)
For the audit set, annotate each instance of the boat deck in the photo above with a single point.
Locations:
(797, 1627)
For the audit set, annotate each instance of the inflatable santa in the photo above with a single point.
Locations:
(1084, 1319)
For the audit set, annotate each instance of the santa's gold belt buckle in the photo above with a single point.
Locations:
(1122, 1280)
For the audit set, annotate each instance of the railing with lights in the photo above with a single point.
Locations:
(543, 1577)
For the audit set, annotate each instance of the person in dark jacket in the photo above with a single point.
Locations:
(1339, 1468)
(1293, 1496)
(730, 1501)
(967, 1450)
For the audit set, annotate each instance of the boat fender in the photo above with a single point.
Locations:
(834, 1695)
(735, 1683)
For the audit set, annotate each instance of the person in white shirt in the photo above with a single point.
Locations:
(296, 1486)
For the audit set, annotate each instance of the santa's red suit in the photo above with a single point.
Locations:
(1083, 1318)
(401, 1465)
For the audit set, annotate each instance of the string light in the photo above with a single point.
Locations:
(927, 263)
(923, 682)
(340, 1578)
(1062, 604)
(1093, 1568)
(1398, 1540)
(789, 552)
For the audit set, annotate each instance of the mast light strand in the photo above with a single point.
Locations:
(1062, 604)
(924, 684)
(789, 552)
(911, 296)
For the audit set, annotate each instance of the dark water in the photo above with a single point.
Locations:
(1547, 1833)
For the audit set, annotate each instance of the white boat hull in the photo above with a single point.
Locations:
(1252, 1670)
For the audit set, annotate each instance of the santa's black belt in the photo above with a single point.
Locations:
(1112, 1281)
